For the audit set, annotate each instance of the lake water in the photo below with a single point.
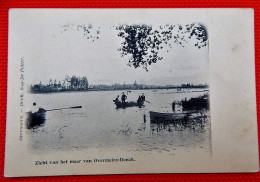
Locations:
(99, 125)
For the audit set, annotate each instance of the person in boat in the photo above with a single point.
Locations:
(117, 99)
(139, 100)
(124, 97)
(143, 97)
(36, 109)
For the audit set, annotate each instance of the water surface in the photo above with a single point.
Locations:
(99, 125)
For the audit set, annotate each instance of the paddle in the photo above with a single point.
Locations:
(75, 107)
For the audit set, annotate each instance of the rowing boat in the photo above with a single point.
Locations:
(36, 118)
(129, 104)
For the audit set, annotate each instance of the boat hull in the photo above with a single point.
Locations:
(35, 119)
(196, 104)
(129, 104)
(158, 117)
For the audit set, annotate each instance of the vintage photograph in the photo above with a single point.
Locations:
(140, 87)
(105, 91)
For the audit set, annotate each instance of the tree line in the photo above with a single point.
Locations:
(74, 83)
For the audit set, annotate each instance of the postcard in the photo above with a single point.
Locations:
(127, 91)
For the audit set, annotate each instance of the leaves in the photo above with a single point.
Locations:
(89, 31)
(142, 43)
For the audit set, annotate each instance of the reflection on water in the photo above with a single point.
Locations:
(99, 125)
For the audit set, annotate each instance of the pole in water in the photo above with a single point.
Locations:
(144, 118)
(173, 107)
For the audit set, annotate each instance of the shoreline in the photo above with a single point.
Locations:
(71, 91)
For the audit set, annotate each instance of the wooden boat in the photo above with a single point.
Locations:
(129, 104)
(158, 117)
(196, 103)
(36, 118)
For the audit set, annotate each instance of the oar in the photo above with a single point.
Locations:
(75, 107)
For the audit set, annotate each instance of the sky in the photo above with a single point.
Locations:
(52, 53)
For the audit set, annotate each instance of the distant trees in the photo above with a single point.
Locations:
(78, 83)
(74, 83)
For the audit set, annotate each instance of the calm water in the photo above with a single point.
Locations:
(99, 125)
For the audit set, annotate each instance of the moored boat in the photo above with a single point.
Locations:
(199, 103)
(157, 117)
